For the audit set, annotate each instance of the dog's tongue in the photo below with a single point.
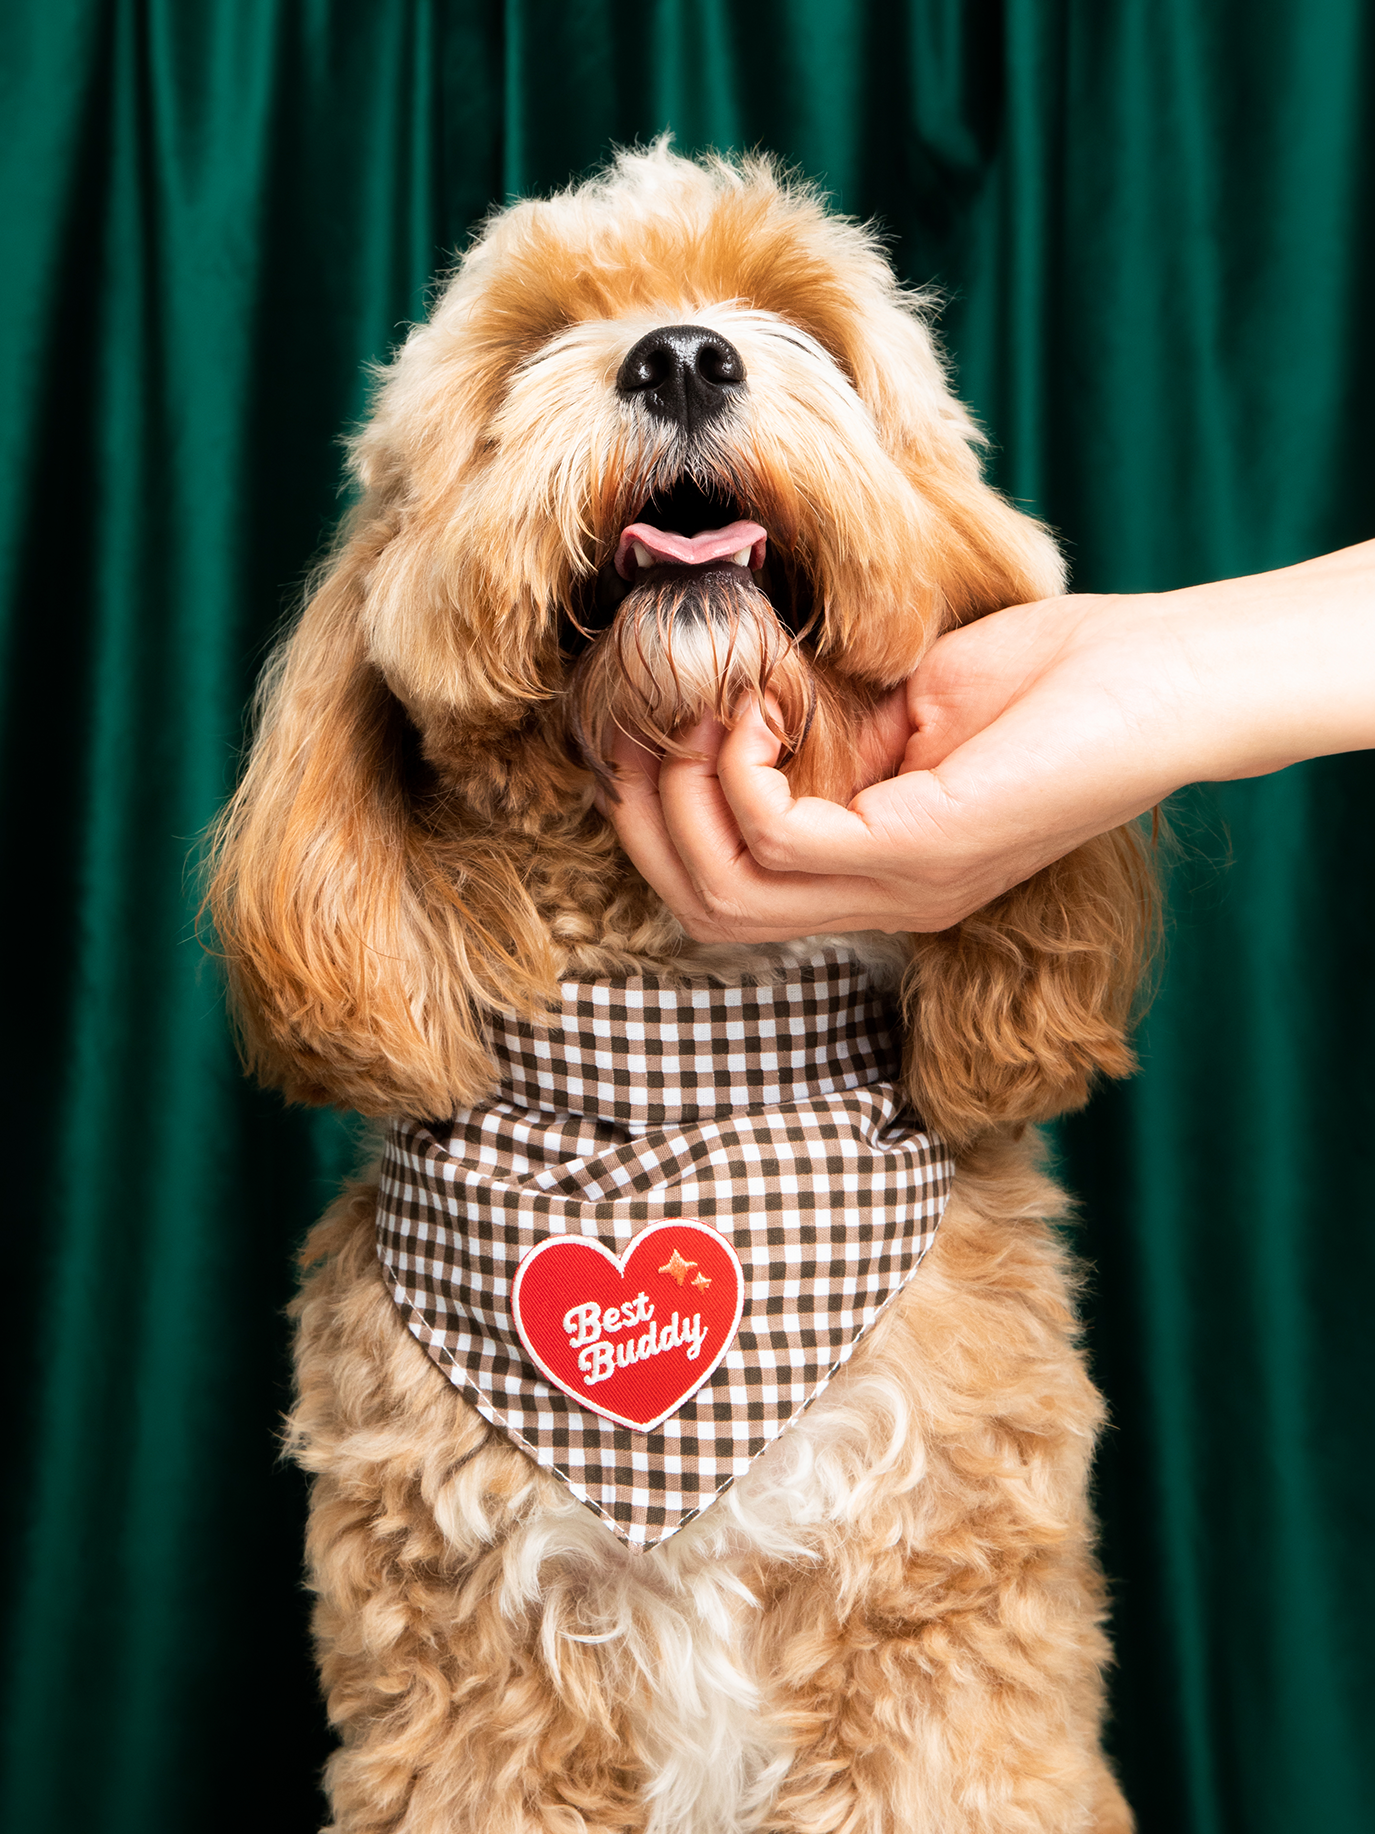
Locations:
(643, 546)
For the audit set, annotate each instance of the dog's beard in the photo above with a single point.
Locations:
(688, 641)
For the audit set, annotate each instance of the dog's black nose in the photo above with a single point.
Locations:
(682, 373)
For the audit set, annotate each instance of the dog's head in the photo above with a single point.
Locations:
(685, 404)
(671, 437)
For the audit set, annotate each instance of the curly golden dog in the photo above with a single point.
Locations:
(670, 438)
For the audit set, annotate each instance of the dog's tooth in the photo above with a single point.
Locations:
(742, 559)
(643, 557)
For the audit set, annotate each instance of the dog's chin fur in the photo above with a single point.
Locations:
(891, 1623)
(685, 644)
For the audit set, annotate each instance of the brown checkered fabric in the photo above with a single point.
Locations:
(770, 1113)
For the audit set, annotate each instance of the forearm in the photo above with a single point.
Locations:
(1283, 666)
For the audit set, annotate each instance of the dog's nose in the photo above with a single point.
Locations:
(682, 373)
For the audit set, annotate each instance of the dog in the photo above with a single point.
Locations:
(672, 438)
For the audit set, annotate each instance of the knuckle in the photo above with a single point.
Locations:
(715, 907)
(771, 851)
(701, 931)
(942, 913)
(719, 919)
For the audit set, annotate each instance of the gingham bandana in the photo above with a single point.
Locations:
(771, 1114)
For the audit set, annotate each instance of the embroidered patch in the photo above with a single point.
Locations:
(772, 1116)
(589, 1322)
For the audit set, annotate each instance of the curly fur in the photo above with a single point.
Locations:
(892, 1622)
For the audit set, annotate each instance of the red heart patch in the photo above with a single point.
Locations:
(630, 1338)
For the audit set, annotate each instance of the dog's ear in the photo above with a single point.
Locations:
(359, 960)
(977, 552)
(986, 553)
(1012, 1013)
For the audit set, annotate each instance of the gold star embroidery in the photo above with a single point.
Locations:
(700, 1280)
(677, 1267)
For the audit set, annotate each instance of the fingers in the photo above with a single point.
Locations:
(683, 836)
(882, 739)
(739, 892)
(637, 768)
(807, 834)
(719, 835)
(638, 818)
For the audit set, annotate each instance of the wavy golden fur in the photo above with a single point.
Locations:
(892, 1622)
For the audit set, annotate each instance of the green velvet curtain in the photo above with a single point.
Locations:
(1152, 219)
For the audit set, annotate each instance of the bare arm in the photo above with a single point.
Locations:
(1018, 738)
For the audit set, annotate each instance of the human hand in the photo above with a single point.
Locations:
(1020, 737)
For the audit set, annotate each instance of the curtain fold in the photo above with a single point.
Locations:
(1152, 227)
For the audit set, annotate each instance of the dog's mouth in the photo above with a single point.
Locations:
(692, 531)
(643, 548)
(695, 611)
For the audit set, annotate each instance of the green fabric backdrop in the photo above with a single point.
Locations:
(1153, 218)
